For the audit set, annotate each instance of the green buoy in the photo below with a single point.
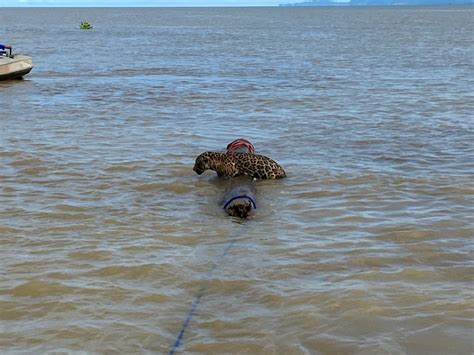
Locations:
(85, 25)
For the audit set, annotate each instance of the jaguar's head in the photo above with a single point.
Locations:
(204, 162)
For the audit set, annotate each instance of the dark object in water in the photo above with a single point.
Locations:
(239, 198)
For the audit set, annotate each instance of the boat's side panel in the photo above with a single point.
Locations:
(15, 67)
(15, 75)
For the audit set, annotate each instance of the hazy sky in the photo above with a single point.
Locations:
(142, 2)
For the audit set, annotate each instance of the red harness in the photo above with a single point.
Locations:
(240, 143)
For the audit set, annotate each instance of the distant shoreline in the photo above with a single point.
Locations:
(329, 3)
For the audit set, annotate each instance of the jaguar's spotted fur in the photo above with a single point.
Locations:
(254, 165)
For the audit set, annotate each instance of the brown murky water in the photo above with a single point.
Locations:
(107, 237)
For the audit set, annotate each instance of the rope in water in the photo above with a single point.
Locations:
(197, 298)
(251, 200)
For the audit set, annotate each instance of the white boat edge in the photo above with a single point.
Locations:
(16, 67)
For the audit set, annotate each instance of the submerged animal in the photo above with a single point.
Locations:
(253, 165)
(239, 199)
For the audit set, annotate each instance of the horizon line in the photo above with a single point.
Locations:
(225, 6)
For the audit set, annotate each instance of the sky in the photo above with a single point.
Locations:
(177, 3)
